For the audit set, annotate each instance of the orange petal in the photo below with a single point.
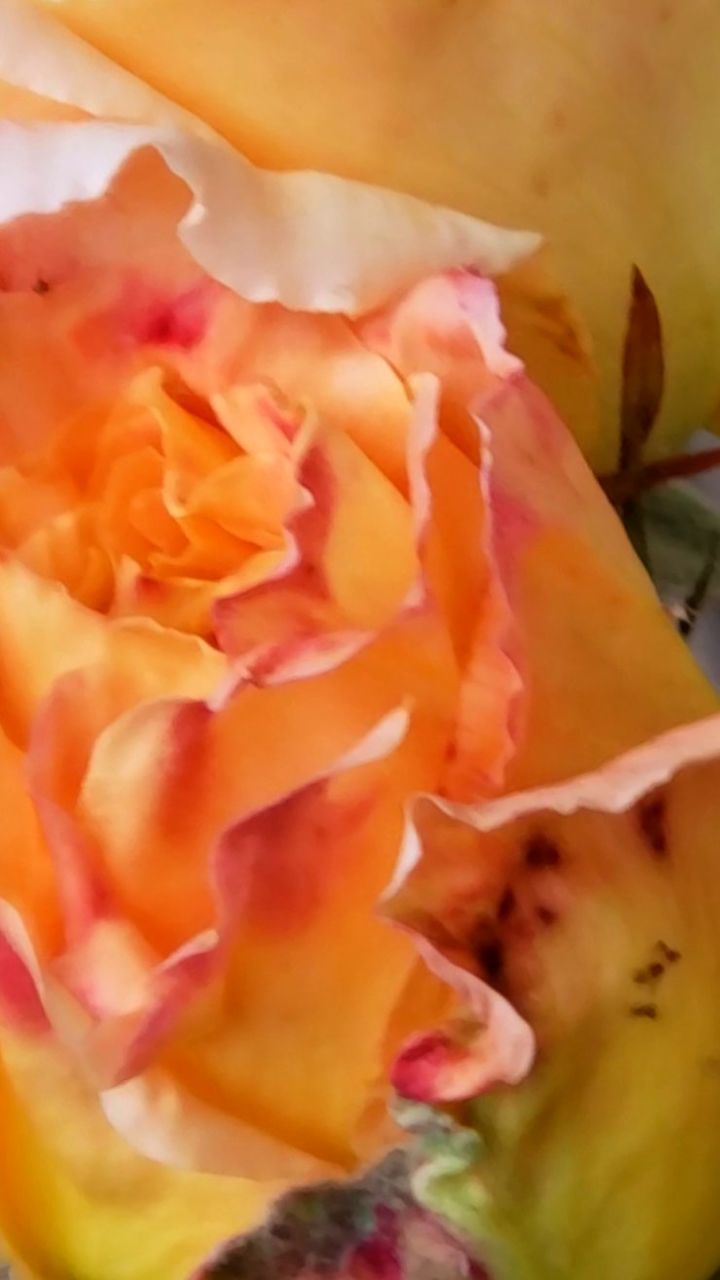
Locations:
(318, 360)
(43, 634)
(586, 630)
(278, 922)
(596, 648)
(351, 568)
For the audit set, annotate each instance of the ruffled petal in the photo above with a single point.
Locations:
(552, 596)
(350, 569)
(310, 241)
(594, 645)
(133, 984)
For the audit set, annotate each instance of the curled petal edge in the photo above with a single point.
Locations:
(311, 241)
(490, 1043)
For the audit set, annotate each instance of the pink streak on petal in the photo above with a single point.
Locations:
(20, 998)
(491, 1045)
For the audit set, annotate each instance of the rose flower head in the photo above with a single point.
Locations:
(287, 539)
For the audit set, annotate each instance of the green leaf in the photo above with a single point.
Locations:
(682, 533)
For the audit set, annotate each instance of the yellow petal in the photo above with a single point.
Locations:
(592, 907)
(76, 1200)
(59, 77)
(603, 665)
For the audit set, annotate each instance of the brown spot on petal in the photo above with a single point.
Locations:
(644, 1011)
(506, 905)
(491, 959)
(541, 851)
(546, 915)
(670, 954)
(652, 819)
(650, 973)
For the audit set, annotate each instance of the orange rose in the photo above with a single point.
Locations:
(288, 537)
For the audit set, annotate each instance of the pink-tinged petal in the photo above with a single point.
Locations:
(270, 893)
(310, 241)
(26, 870)
(300, 884)
(144, 986)
(349, 570)
(594, 645)
(266, 866)
(44, 634)
(454, 536)
(135, 999)
(449, 327)
(489, 717)
(487, 1044)
(21, 999)
(551, 561)
(144, 316)
(318, 360)
(316, 610)
(87, 294)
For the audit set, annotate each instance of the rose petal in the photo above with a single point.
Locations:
(136, 984)
(603, 653)
(166, 1122)
(583, 614)
(59, 1152)
(591, 906)
(351, 569)
(58, 67)
(43, 634)
(310, 241)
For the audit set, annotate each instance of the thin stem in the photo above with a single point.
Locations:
(623, 485)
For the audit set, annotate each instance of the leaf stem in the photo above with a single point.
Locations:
(623, 485)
